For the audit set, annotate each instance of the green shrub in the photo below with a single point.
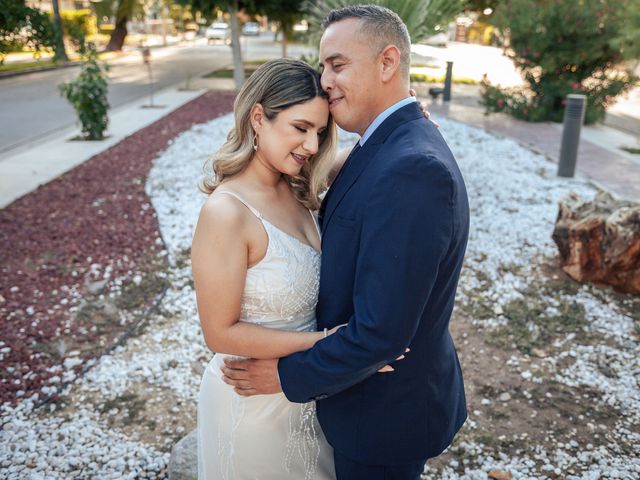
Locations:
(23, 27)
(563, 47)
(88, 95)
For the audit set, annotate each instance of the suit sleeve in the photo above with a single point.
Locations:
(406, 232)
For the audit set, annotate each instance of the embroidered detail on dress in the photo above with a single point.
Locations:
(225, 448)
(303, 439)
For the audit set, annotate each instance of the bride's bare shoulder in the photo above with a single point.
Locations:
(223, 213)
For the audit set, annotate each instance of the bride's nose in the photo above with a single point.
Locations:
(310, 144)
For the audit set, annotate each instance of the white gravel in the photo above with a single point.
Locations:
(513, 195)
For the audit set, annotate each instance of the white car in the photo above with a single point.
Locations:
(218, 32)
(251, 28)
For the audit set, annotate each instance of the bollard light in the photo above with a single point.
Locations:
(146, 55)
(573, 118)
(447, 82)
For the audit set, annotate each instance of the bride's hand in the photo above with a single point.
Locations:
(389, 368)
(423, 107)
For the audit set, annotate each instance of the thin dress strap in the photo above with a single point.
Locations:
(315, 222)
(253, 210)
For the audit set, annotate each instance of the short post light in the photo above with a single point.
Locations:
(573, 118)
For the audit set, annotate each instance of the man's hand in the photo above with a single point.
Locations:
(423, 107)
(252, 377)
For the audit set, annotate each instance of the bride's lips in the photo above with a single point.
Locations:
(300, 159)
(334, 101)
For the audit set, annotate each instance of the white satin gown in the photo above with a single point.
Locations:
(266, 437)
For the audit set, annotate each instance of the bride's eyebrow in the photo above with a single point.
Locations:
(306, 122)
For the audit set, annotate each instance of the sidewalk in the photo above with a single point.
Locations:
(600, 160)
(37, 163)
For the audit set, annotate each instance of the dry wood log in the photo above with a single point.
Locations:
(599, 241)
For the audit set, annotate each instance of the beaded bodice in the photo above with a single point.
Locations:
(281, 291)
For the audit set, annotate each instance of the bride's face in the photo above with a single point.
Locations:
(288, 141)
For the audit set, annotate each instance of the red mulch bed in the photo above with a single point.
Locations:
(97, 213)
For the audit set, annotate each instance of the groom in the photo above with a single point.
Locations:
(394, 231)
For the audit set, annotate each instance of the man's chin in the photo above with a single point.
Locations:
(344, 124)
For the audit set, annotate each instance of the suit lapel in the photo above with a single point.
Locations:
(362, 158)
(332, 189)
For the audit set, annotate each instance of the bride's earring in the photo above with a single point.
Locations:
(255, 139)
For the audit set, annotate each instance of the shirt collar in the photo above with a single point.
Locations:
(383, 116)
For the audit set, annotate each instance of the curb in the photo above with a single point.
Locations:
(26, 71)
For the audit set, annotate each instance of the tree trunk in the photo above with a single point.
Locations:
(284, 43)
(238, 65)
(118, 35)
(60, 52)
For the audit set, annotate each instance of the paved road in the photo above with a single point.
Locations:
(32, 108)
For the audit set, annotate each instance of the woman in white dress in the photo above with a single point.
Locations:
(256, 266)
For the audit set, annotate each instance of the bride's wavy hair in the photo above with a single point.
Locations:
(276, 85)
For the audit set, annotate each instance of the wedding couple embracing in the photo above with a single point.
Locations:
(338, 365)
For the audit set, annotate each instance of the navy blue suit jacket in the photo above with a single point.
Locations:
(394, 231)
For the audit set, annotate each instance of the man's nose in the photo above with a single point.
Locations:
(326, 80)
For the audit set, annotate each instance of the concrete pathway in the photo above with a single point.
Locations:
(600, 159)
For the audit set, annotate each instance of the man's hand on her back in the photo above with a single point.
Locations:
(423, 107)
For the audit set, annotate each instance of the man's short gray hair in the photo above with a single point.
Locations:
(380, 25)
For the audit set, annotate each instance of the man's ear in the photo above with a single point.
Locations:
(390, 62)
(257, 117)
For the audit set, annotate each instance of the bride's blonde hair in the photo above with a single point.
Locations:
(276, 85)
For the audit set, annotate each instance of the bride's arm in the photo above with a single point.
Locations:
(219, 256)
(341, 157)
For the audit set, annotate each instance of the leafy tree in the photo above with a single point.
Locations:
(22, 26)
(422, 17)
(562, 47)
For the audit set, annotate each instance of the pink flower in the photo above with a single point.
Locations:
(536, 54)
(575, 85)
(563, 101)
(500, 103)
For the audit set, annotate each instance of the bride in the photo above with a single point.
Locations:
(256, 268)
(256, 265)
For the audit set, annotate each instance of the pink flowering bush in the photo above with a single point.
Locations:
(563, 47)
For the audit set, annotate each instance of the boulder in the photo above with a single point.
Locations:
(599, 241)
(184, 458)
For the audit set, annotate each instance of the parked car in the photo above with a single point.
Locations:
(251, 28)
(438, 40)
(219, 31)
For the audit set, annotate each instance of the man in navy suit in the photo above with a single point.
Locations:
(394, 231)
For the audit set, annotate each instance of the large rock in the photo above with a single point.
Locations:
(184, 459)
(599, 241)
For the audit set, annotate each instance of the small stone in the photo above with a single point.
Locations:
(504, 397)
(500, 475)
